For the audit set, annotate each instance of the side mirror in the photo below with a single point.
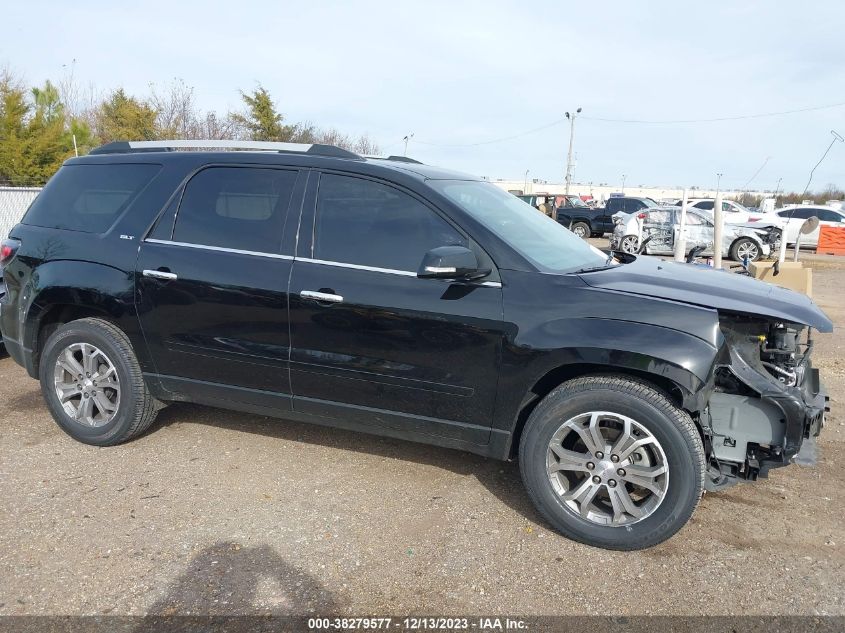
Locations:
(451, 262)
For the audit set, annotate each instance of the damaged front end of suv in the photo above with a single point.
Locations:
(768, 404)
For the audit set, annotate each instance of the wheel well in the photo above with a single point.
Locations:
(559, 375)
(56, 316)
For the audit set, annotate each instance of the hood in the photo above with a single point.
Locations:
(703, 286)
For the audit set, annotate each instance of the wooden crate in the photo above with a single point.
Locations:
(831, 240)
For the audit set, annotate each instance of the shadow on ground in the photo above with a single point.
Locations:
(501, 478)
(228, 579)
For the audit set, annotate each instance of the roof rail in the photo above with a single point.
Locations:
(123, 147)
(398, 159)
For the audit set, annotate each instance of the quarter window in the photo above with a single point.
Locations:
(798, 213)
(235, 207)
(370, 224)
(89, 198)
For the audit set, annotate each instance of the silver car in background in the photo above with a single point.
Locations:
(662, 227)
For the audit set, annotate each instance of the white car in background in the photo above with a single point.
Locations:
(661, 227)
(734, 213)
(793, 216)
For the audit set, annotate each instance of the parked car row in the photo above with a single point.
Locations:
(658, 229)
(740, 240)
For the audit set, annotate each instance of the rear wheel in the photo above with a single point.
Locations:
(629, 244)
(581, 229)
(745, 247)
(611, 462)
(93, 385)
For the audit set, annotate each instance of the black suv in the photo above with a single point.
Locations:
(386, 296)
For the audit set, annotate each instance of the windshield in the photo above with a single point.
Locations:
(575, 201)
(535, 236)
(649, 203)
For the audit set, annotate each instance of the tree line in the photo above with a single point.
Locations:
(42, 126)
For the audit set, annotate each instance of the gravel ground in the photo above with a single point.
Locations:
(220, 512)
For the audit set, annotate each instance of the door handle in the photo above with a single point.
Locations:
(160, 274)
(321, 297)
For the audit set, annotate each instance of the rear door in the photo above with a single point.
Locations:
(212, 283)
(373, 344)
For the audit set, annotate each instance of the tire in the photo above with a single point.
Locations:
(746, 244)
(135, 408)
(677, 445)
(629, 244)
(581, 229)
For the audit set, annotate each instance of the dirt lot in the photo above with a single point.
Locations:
(220, 512)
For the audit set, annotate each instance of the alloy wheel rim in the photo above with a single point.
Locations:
(629, 244)
(607, 468)
(87, 384)
(579, 231)
(747, 249)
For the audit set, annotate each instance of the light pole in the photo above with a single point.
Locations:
(718, 181)
(525, 186)
(571, 118)
(623, 183)
(777, 188)
(406, 139)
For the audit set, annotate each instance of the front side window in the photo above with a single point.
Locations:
(707, 205)
(371, 224)
(828, 216)
(660, 216)
(693, 219)
(536, 237)
(235, 207)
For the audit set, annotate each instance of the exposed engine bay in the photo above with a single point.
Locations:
(767, 401)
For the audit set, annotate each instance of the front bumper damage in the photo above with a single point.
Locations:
(764, 423)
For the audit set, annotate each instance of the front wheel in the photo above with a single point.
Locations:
(745, 247)
(611, 462)
(630, 244)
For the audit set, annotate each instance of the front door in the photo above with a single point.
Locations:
(212, 288)
(371, 342)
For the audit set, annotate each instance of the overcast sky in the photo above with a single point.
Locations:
(462, 73)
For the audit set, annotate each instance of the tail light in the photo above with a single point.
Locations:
(8, 248)
(642, 216)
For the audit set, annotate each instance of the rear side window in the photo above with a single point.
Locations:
(89, 198)
(370, 224)
(236, 207)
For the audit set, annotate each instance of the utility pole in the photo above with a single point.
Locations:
(525, 186)
(571, 118)
(623, 183)
(406, 139)
(777, 188)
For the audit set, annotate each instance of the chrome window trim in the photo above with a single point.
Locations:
(221, 249)
(322, 262)
(373, 269)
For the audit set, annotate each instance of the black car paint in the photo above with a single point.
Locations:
(455, 364)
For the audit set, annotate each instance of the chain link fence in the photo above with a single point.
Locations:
(14, 201)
